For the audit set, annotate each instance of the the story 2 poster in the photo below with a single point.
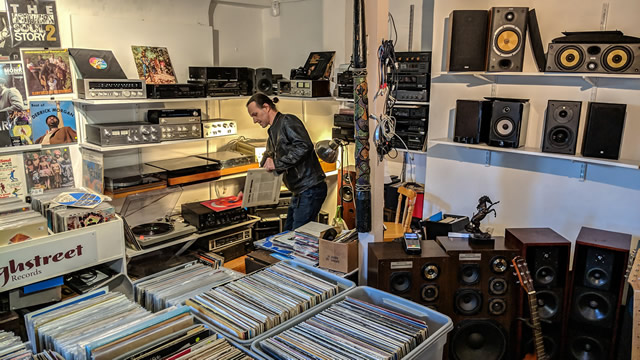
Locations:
(33, 23)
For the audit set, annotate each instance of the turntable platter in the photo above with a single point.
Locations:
(151, 229)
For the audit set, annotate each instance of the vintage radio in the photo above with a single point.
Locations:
(228, 238)
(174, 116)
(180, 131)
(218, 127)
(107, 89)
(304, 88)
(204, 218)
(175, 91)
(123, 133)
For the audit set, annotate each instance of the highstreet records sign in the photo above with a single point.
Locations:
(44, 260)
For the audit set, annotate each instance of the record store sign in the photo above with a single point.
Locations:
(30, 264)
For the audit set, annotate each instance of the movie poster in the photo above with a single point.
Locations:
(48, 169)
(7, 51)
(92, 170)
(11, 176)
(153, 64)
(47, 72)
(33, 23)
(53, 122)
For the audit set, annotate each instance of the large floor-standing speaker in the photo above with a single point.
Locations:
(603, 130)
(547, 255)
(599, 265)
(483, 297)
(509, 122)
(421, 278)
(473, 119)
(264, 81)
(561, 127)
(347, 195)
(507, 37)
(467, 47)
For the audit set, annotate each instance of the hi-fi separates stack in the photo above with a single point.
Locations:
(413, 75)
(482, 296)
(411, 127)
(345, 84)
(225, 81)
(177, 124)
(344, 125)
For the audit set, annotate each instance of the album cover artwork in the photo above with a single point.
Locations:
(92, 170)
(53, 122)
(47, 72)
(223, 203)
(48, 169)
(33, 23)
(7, 51)
(153, 64)
(11, 176)
(13, 95)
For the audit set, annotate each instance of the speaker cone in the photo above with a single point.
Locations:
(478, 340)
(347, 193)
(429, 292)
(264, 85)
(507, 40)
(400, 282)
(597, 277)
(430, 271)
(617, 58)
(593, 307)
(569, 58)
(504, 127)
(468, 301)
(560, 136)
(497, 306)
(499, 264)
(469, 274)
(497, 286)
(586, 348)
(563, 114)
(550, 346)
(548, 304)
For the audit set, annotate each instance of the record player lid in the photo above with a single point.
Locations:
(147, 207)
(181, 163)
(128, 171)
(223, 156)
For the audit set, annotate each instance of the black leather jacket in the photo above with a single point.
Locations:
(293, 154)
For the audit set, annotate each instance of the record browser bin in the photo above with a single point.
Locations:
(344, 286)
(430, 349)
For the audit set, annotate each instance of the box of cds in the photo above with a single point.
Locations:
(364, 323)
(267, 300)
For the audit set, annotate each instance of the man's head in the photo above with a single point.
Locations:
(53, 122)
(262, 109)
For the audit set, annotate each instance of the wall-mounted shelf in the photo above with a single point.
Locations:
(150, 101)
(19, 149)
(622, 163)
(598, 80)
(326, 98)
(137, 146)
(397, 102)
(411, 151)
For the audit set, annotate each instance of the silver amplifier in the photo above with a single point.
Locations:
(180, 131)
(123, 133)
(230, 239)
(107, 89)
(219, 127)
(174, 116)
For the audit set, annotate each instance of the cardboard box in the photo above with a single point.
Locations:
(342, 257)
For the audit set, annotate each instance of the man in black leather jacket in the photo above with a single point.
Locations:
(290, 151)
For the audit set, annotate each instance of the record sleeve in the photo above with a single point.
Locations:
(153, 64)
(47, 72)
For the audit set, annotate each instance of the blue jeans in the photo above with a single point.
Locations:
(305, 206)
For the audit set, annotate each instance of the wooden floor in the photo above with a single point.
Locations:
(236, 264)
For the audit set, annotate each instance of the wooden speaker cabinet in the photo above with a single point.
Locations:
(347, 195)
(547, 254)
(483, 298)
(599, 265)
(421, 278)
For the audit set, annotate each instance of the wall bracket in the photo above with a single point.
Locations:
(583, 171)
(487, 158)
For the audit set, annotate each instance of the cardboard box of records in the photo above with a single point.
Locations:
(341, 253)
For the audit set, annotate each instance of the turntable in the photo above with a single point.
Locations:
(190, 169)
(147, 216)
(132, 179)
(231, 162)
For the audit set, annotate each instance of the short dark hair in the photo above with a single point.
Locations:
(260, 99)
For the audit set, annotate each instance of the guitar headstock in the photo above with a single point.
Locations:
(522, 271)
(633, 270)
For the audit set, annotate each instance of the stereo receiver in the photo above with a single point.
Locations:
(123, 133)
(106, 89)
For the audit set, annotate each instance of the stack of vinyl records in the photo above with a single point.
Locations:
(173, 286)
(258, 302)
(19, 223)
(12, 347)
(293, 244)
(349, 329)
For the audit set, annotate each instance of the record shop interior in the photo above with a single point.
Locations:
(320, 179)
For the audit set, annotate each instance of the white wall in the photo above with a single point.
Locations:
(535, 192)
(239, 33)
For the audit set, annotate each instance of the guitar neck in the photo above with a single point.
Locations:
(635, 338)
(537, 329)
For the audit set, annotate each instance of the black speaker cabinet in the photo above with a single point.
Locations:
(483, 298)
(599, 265)
(603, 130)
(421, 278)
(507, 37)
(472, 121)
(561, 127)
(508, 125)
(467, 47)
(594, 58)
(547, 255)
(264, 81)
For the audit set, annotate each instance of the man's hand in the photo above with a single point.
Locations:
(269, 165)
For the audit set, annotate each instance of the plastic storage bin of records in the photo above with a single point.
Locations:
(361, 321)
(266, 300)
(104, 325)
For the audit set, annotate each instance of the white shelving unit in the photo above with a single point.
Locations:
(152, 101)
(397, 102)
(412, 151)
(598, 80)
(137, 146)
(19, 149)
